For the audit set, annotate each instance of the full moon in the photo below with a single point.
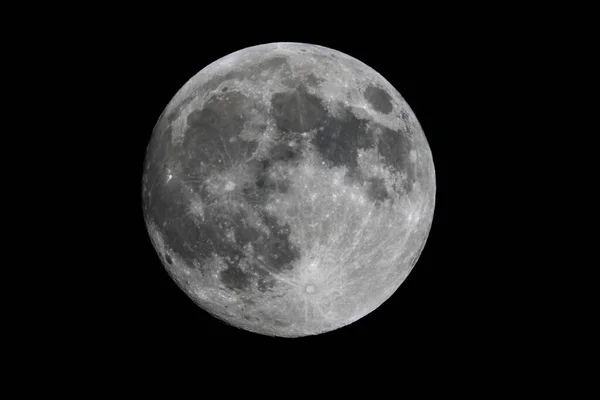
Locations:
(288, 189)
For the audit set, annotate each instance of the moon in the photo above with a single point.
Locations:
(288, 189)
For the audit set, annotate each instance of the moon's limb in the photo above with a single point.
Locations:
(289, 189)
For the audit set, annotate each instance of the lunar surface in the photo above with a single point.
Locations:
(288, 189)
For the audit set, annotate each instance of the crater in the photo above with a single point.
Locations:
(379, 99)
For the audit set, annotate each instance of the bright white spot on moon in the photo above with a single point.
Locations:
(413, 155)
(229, 186)
(310, 289)
(197, 208)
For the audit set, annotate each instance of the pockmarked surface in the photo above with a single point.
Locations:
(288, 189)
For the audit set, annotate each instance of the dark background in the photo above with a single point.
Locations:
(450, 303)
(484, 83)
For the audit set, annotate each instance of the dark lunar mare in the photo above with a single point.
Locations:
(257, 190)
(395, 147)
(339, 139)
(376, 190)
(297, 110)
(379, 99)
(276, 248)
(174, 114)
(211, 141)
(196, 239)
(282, 152)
